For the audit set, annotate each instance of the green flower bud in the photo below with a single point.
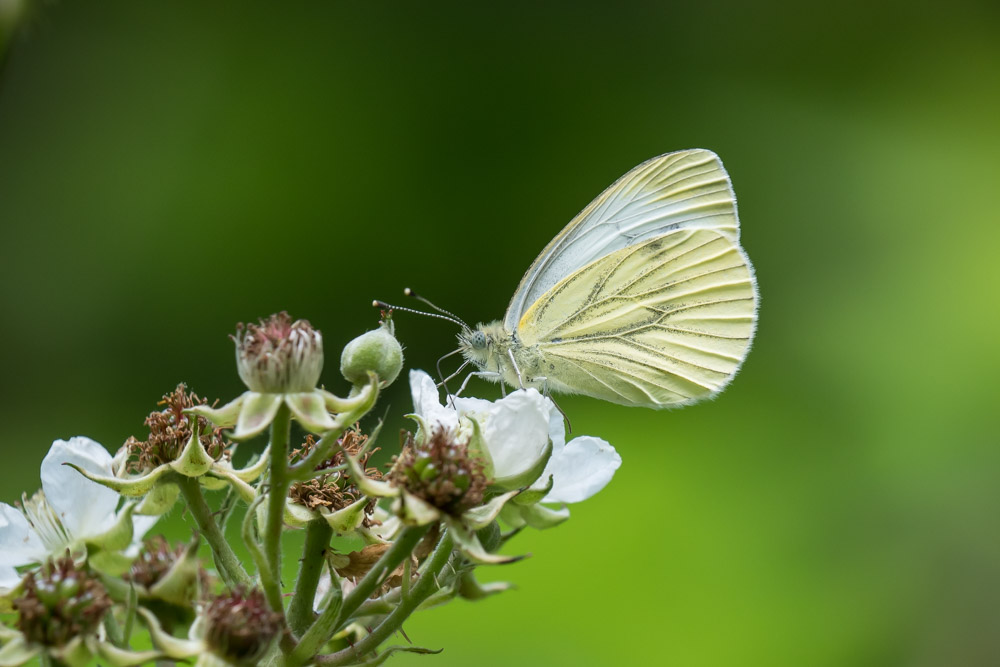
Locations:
(376, 350)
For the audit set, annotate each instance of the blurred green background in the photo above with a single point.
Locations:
(169, 169)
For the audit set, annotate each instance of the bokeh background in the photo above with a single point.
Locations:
(168, 169)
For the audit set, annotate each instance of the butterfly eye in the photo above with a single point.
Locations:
(478, 340)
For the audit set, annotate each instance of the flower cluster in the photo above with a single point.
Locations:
(386, 533)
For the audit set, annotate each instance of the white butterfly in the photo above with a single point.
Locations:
(645, 298)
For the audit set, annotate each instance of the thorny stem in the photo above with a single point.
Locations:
(423, 589)
(277, 494)
(229, 566)
(328, 620)
(300, 611)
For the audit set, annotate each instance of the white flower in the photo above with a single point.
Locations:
(68, 512)
(517, 432)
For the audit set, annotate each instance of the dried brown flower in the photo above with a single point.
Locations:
(170, 431)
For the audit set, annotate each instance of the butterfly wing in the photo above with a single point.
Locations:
(683, 190)
(664, 322)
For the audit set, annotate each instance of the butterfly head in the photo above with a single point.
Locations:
(480, 344)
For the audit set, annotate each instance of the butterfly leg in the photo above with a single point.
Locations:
(517, 371)
(482, 374)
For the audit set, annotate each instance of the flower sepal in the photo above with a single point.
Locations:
(535, 495)
(468, 543)
(470, 589)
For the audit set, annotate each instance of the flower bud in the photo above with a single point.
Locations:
(279, 356)
(376, 350)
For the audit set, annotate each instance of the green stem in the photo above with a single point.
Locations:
(225, 559)
(330, 618)
(300, 611)
(277, 494)
(423, 589)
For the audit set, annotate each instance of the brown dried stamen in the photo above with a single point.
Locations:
(170, 431)
(335, 490)
(240, 625)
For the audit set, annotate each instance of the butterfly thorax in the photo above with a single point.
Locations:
(499, 353)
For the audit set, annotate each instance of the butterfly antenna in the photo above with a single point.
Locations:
(409, 292)
(386, 306)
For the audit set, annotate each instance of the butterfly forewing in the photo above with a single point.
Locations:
(683, 190)
(663, 322)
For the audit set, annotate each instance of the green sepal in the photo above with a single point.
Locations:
(296, 515)
(130, 487)
(365, 484)
(159, 500)
(257, 411)
(224, 417)
(477, 446)
(469, 545)
(255, 468)
(482, 516)
(470, 589)
(532, 496)
(360, 401)
(180, 583)
(122, 658)
(528, 477)
(212, 483)
(415, 512)
(511, 515)
(420, 437)
(119, 536)
(173, 647)
(346, 520)
(18, 652)
(387, 653)
(542, 517)
(193, 461)
(245, 491)
(74, 654)
(309, 408)
(489, 536)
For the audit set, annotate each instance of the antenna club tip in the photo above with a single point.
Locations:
(407, 291)
(376, 304)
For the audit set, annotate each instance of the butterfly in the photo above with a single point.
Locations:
(645, 298)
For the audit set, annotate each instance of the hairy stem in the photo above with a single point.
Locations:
(423, 589)
(331, 618)
(229, 566)
(300, 611)
(277, 494)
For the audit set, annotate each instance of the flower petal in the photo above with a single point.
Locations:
(83, 507)
(9, 578)
(517, 432)
(19, 543)
(581, 469)
(427, 401)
